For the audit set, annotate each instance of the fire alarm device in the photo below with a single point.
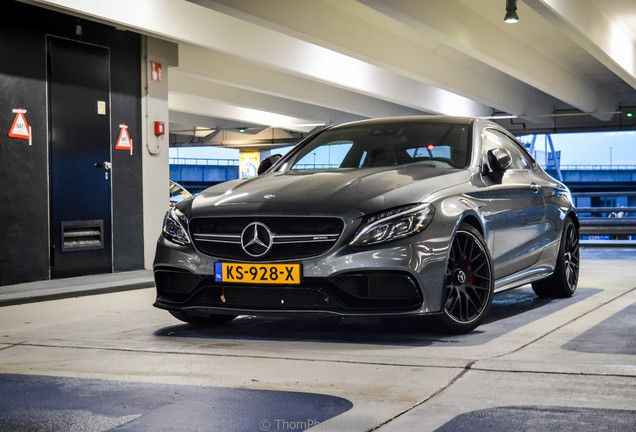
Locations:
(156, 71)
(159, 128)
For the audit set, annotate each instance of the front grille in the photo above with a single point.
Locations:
(292, 237)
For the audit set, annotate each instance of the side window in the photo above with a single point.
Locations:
(493, 139)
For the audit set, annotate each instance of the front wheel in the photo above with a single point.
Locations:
(563, 281)
(468, 283)
(201, 319)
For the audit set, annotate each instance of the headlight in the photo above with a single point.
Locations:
(393, 224)
(174, 227)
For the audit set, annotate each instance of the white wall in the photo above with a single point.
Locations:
(155, 164)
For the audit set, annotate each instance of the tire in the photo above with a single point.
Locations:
(202, 319)
(468, 283)
(563, 281)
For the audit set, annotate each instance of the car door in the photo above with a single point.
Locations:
(514, 209)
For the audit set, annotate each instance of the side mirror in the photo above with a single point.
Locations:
(267, 163)
(499, 160)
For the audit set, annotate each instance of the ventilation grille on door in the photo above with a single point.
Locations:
(82, 235)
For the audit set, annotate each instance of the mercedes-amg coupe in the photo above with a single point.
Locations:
(398, 216)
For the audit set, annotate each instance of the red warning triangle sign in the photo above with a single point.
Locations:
(124, 142)
(20, 127)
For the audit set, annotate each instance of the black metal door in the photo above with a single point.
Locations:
(79, 122)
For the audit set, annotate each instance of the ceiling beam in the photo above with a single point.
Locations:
(183, 21)
(214, 108)
(182, 121)
(187, 84)
(605, 39)
(459, 25)
(217, 67)
(362, 32)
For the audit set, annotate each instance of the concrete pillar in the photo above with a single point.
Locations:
(155, 161)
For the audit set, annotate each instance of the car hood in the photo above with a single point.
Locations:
(329, 192)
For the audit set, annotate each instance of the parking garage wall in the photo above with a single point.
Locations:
(24, 167)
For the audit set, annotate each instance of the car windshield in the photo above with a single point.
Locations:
(434, 145)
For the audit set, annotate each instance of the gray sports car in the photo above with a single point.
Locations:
(397, 216)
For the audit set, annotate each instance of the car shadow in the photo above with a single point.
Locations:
(39, 403)
(510, 310)
(613, 336)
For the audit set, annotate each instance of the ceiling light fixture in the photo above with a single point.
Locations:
(511, 12)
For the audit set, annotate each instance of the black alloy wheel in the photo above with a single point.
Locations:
(571, 257)
(565, 278)
(468, 283)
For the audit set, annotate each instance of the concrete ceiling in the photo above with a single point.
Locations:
(567, 65)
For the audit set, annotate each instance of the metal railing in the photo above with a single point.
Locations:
(617, 224)
(203, 161)
(235, 162)
(596, 167)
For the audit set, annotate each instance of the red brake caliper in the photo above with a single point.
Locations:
(469, 268)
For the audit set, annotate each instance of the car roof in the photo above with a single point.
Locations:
(411, 119)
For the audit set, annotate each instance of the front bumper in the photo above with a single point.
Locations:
(352, 293)
(403, 277)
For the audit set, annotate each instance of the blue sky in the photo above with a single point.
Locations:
(593, 148)
(576, 149)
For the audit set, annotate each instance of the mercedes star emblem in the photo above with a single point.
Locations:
(461, 277)
(256, 239)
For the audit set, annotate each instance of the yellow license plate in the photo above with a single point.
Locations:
(279, 274)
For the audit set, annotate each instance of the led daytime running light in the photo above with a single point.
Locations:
(393, 224)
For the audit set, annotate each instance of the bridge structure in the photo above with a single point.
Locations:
(580, 178)
(601, 192)
(196, 174)
(199, 173)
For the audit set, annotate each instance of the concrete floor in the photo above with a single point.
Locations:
(113, 362)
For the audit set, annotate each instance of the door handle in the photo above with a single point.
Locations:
(106, 165)
(535, 187)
